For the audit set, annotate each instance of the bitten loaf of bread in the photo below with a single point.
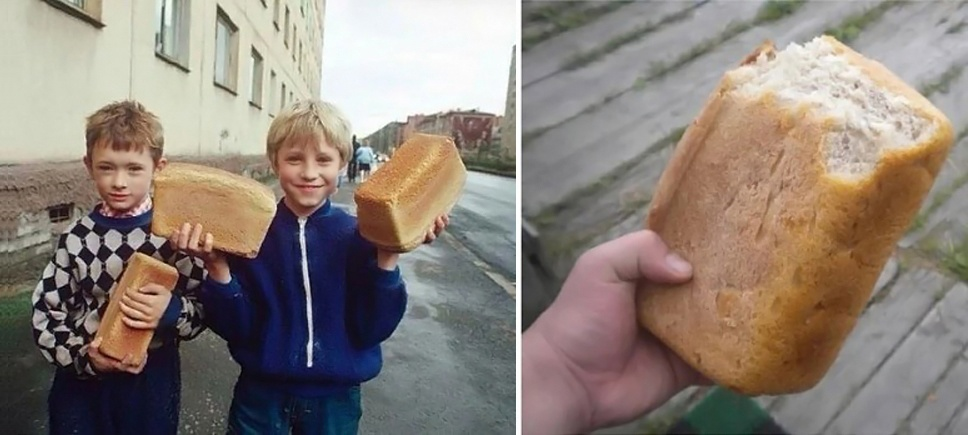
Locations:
(117, 338)
(237, 210)
(788, 194)
(399, 203)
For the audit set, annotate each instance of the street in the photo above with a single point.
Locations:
(449, 368)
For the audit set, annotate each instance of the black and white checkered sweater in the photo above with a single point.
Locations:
(72, 294)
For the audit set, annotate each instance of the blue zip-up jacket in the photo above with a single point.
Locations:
(308, 314)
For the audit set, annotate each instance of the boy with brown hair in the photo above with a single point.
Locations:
(305, 318)
(93, 393)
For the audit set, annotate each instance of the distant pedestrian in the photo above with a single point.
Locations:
(353, 168)
(364, 159)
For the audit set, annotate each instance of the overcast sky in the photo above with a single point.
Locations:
(386, 59)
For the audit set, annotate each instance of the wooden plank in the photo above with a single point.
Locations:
(877, 334)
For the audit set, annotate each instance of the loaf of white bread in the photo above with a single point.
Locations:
(788, 194)
(401, 200)
(237, 210)
(118, 339)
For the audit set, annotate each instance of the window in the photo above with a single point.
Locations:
(256, 68)
(272, 92)
(172, 30)
(285, 36)
(85, 10)
(60, 213)
(282, 101)
(275, 14)
(226, 51)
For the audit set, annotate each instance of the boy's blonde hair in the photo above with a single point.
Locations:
(310, 118)
(125, 125)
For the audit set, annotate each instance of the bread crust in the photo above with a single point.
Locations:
(399, 203)
(785, 255)
(117, 339)
(237, 210)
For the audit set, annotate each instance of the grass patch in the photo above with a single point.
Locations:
(16, 305)
(850, 28)
(955, 259)
(489, 161)
(581, 59)
(562, 17)
(775, 9)
(943, 82)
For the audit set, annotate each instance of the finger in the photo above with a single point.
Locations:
(183, 236)
(139, 367)
(134, 314)
(173, 238)
(139, 300)
(96, 344)
(637, 256)
(137, 324)
(430, 237)
(209, 242)
(147, 290)
(196, 236)
(446, 219)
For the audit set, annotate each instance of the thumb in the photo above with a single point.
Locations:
(641, 255)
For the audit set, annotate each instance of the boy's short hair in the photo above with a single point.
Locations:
(310, 117)
(125, 125)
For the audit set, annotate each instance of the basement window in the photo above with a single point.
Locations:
(60, 213)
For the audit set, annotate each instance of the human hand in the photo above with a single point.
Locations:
(436, 228)
(189, 240)
(105, 364)
(588, 349)
(143, 308)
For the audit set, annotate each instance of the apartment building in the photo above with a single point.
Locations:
(215, 71)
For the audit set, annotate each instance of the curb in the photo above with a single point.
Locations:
(504, 174)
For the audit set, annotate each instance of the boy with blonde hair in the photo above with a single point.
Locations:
(93, 393)
(306, 317)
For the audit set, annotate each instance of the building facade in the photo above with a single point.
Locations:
(387, 138)
(509, 123)
(214, 71)
(470, 129)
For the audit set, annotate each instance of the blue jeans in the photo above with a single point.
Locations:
(258, 409)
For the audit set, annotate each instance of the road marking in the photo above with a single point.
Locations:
(498, 279)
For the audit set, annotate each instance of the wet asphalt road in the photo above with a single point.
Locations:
(449, 368)
(483, 220)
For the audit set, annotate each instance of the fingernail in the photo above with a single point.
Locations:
(678, 264)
